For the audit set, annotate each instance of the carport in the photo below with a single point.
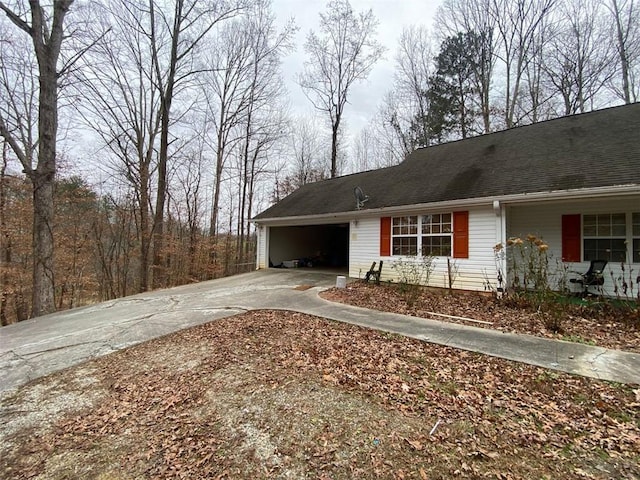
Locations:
(317, 246)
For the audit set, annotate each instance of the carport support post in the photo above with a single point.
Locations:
(501, 235)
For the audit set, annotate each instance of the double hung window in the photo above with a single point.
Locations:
(404, 232)
(436, 235)
(430, 235)
(604, 237)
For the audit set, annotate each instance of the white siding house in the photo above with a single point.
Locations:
(544, 220)
(573, 182)
(470, 273)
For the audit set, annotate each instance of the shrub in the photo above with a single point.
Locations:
(413, 272)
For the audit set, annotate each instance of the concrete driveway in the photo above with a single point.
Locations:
(43, 345)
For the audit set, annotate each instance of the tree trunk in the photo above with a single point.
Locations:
(158, 276)
(47, 40)
(241, 212)
(244, 177)
(42, 179)
(5, 241)
(43, 300)
(221, 139)
(624, 61)
(213, 227)
(334, 147)
(485, 101)
(166, 96)
(145, 235)
(250, 196)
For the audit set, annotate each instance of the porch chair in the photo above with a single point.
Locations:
(592, 277)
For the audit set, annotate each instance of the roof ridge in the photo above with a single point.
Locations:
(534, 124)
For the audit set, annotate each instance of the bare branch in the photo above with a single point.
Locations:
(19, 22)
(78, 55)
(4, 132)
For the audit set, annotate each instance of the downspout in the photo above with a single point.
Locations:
(266, 231)
(501, 237)
(260, 232)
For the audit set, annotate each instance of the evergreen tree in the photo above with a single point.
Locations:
(451, 90)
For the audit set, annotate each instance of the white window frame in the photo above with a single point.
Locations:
(635, 237)
(402, 227)
(442, 229)
(595, 228)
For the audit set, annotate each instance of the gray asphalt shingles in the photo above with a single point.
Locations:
(595, 149)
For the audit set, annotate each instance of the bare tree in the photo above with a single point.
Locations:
(113, 232)
(397, 134)
(578, 55)
(190, 179)
(626, 15)
(264, 123)
(535, 103)
(45, 27)
(371, 149)
(343, 53)
(306, 150)
(138, 82)
(186, 26)
(518, 23)
(414, 66)
(305, 154)
(226, 101)
(120, 102)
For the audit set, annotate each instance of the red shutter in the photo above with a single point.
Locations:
(385, 237)
(571, 241)
(460, 234)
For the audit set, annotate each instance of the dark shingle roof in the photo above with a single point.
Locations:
(595, 149)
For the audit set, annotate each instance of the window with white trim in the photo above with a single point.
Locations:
(436, 235)
(431, 235)
(604, 237)
(404, 235)
(635, 232)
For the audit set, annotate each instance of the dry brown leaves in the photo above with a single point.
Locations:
(284, 395)
(604, 328)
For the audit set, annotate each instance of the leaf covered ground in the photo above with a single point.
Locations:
(598, 322)
(272, 394)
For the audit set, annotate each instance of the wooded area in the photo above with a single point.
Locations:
(184, 107)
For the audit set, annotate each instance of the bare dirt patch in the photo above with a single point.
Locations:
(599, 324)
(274, 394)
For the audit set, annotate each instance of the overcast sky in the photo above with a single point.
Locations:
(364, 97)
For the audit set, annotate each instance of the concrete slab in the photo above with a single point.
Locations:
(43, 345)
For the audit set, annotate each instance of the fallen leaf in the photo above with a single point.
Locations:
(415, 444)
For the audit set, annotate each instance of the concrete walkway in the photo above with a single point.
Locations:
(43, 345)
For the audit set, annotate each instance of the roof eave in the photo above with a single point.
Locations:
(521, 198)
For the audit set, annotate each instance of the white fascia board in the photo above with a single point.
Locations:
(577, 194)
(323, 219)
(537, 197)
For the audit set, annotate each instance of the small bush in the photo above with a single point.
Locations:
(412, 273)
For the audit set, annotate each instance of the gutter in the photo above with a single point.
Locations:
(513, 199)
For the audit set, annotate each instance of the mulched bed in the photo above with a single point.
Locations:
(599, 324)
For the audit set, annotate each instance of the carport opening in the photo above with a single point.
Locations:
(309, 246)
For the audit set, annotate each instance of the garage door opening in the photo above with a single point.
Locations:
(311, 246)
